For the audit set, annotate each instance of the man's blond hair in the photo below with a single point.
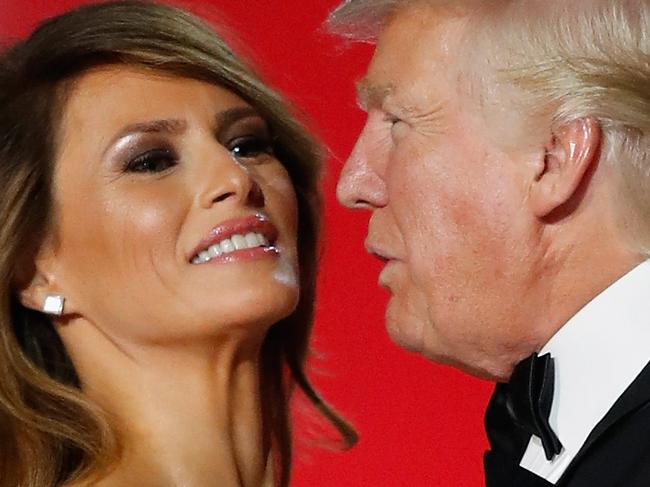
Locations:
(583, 58)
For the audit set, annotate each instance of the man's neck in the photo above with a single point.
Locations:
(573, 276)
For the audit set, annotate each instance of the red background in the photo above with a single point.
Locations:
(420, 424)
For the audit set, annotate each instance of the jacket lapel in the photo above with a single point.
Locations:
(501, 471)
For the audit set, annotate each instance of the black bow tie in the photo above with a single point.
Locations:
(529, 398)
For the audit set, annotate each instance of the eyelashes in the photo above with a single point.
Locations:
(249, 149)
(391, 119)
(396, 125)
(153, 161)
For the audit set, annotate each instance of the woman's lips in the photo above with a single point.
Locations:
(245, 238)
(243, 255)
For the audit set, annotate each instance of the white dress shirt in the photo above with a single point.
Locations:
(597, 354)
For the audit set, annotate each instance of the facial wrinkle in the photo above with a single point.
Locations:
(430, 122)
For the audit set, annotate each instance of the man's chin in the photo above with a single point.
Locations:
(406, 335)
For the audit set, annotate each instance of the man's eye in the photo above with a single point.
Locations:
(250, 147)
(396, 125)
(154, 161)
(392, 120)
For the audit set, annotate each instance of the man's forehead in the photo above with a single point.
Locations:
(440, 29)
(411, 50)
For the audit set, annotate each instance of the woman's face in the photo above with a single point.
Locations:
(175, 220)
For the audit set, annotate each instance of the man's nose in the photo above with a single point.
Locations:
(361, 184)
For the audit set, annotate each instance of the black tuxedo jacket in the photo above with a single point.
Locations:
(616, 453)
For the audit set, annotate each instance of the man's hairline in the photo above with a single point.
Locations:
(351, 25)
(374, 95)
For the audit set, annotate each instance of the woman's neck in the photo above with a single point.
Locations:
(186, 415)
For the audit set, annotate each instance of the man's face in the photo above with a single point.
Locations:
(447, 200)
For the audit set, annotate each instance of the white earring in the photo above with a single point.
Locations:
(53, 304)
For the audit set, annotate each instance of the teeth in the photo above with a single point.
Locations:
(214, 250)
(239, 242)
(227, 245)
(252, 240)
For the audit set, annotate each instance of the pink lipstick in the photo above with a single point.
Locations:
(245, 238)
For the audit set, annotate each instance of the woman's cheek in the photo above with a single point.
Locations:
(283, 209)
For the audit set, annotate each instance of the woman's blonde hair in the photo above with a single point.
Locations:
(567, 60)
(50, 433)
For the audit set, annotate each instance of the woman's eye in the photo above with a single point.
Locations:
(250, 146)
(154, 161)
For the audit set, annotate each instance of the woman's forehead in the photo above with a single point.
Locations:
(116, 91)
(111, 100)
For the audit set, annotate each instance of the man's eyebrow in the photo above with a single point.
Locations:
(371, 95)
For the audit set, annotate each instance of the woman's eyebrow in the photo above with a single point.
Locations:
(223, 119)
(155, 126)
(169, 126)
(229, 116)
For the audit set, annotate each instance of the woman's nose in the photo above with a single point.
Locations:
(224, 178)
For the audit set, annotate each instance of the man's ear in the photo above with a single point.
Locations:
(573, 150)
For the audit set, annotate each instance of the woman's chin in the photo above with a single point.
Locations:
(253, 309)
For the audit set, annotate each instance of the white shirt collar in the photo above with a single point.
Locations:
(598, 353)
